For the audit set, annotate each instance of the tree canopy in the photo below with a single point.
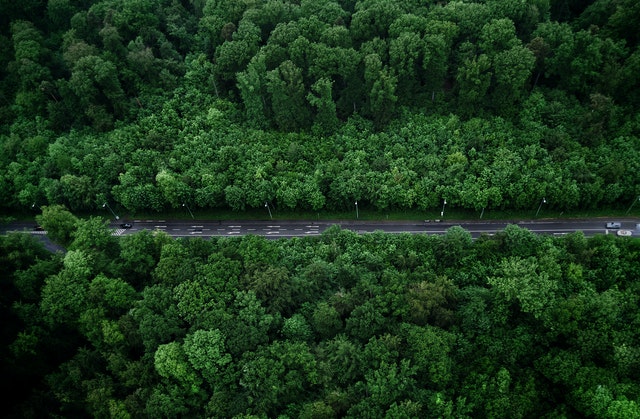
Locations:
(337, 325)
(311, 105)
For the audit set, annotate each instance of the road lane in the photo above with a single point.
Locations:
(186, 228)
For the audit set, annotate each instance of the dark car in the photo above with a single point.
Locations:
(38, 228)
(126, 225)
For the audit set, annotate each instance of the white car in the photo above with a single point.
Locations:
(614, 224)
(625, 233)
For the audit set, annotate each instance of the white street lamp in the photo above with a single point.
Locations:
(357, 215)
(114, 214)
(266, 205)
(544, 201)
(189, 209)
(442, 212)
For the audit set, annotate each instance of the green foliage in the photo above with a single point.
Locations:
(313, 105)
(152, 106)
(338, 325)
(59, 223)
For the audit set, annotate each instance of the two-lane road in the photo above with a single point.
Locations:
(294, 228)
(289, 228)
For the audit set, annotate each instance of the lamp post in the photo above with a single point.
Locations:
(266, 205)
(632, 204)
(114, 214)
(188, 209)
(442, 212)
(357, 215)
(544, 201)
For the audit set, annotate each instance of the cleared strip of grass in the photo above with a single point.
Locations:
(370, 214)
(364, 213)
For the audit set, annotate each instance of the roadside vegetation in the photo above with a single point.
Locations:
(340, 325)
(299, 109)
(313, 105)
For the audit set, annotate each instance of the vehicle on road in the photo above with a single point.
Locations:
(38, 228)
(624, 233)
(614, 224)
(126, 225)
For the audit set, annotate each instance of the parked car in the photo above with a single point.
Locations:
(126, 225)
(624, 233)
(614, 224)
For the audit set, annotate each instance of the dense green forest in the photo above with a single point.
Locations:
(514, 325)
(149, 105)
(312, 104)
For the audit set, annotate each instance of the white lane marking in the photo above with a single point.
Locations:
(197, 226)
(273, 232)
(160, 226)
(235, 226)
(312, 226)
(196, 232)
(311, 232)
(273, 226)
(221, 229)
(117, 232)
(233, 232)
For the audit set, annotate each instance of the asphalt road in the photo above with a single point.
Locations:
(287, 228)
